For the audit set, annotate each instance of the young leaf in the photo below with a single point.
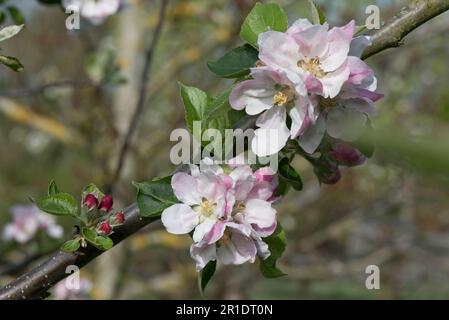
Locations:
(318, 16)
(155, 196)
(235, 63)
(71, 245)
(93, 189)
(53, 188)
(12, 63)
(289, 174)
(61, 204)
(101, 242)
(9, 32)
(262, 18)
(206, 275)
(277, 243)
(195, 103)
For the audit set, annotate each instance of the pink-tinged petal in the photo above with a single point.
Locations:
(254, 96)
(243, 181)
(237, 250)
(339, 44)
(360, 104)
(216, 233)
(278, 50)
(348, 30)
(55, 231)
(373, 96)
(260, 213)
(333, 82)
(265, 174)
(313, 41)
(359, 71)
(302, 115)
(312, 137)
(185, 188)
(345, 123)
(313, 85)
(202, 229)
(273, 133)
(202, 253)
(265, 232)
(210, 186)
(179, 219)
(298, 26)
(358, 45)
(263, 251)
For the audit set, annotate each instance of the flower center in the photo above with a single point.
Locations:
(283, 97)
(327, 103)
(312, 66)
(205, 209)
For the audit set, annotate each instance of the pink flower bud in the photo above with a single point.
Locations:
(90, 201)
(104, 228)
(106, 203)
(118, 218)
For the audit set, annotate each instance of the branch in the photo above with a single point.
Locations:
(35, 283)
(392, 34)
(142, 95)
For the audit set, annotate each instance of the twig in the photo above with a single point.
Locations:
(142, 95)
(35, 283)
(393, 34)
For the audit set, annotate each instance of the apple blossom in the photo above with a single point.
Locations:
(96, 11)
(271, 95)
(27, 221)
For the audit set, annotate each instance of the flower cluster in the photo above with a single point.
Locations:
(96, 11)
(227, 209)
(100, 212)
(315, 76)
(27, 222)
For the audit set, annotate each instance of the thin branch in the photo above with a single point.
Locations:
(142, 94)
(35, 283)
(392, 34)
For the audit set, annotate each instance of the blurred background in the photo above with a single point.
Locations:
(62, 118)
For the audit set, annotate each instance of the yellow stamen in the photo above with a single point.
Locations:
(312, 66)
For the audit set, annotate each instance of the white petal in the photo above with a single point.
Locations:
(312, 137)
(273, 133)
(179, 219)
(333, 82)
(185, 188)
(202, 253)
(202, 229)
(279, 50)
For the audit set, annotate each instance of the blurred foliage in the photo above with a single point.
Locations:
(392, 212)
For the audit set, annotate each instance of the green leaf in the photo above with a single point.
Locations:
(277, 243)
(289, 174)
(104, 243)
(2, 17)
(9, 32)
(12, 63)
(235, 63)
(93, 189)
(71, 245)
(206, 275)
(155, 196)
(195, 103)
(61, 204)
(53, 188)
(16, 15)
(262, 18)
(101, 242)
(318, 16)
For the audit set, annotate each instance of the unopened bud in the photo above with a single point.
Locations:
(104, 228)
(106, 203)
(90, 201)
(118, 218)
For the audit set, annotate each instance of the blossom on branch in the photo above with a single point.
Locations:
(229, 210)
(96, 11)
